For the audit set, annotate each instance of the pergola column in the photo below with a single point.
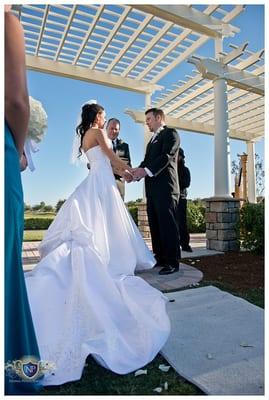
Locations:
(222, 187)
(251, 173)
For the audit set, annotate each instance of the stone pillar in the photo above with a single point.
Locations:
(221, 217)
(142, 218)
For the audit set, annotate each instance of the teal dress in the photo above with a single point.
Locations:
(20, 340)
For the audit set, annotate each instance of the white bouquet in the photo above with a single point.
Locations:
(36, 130)
(37, 121)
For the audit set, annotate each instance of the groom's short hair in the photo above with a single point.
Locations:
(156, 111)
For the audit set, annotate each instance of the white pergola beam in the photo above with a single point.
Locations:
(148, 48)
(174, 44)
(111, 35)
(211, 69)
(189, 18)
(88, 34)
(254, 126)
(256, 107)
(129, 43)
(177, 92)
(246, 116)
(234, 54)
(85, 74)
(208, 85)
(189, 126)
(66, 30)
(210, 98)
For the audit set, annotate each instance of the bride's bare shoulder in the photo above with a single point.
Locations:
(93, 132)
(90, 138)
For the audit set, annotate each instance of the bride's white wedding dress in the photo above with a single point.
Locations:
(83, 294)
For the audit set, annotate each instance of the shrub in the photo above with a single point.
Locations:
(48, 208)
(195, 217)
(251, 227)
(37, 223)
(133, 210)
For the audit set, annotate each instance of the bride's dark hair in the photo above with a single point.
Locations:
(88, 115)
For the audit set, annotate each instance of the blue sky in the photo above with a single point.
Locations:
(55, 177)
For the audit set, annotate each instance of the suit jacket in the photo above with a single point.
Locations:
(161, 159)
(122, 150)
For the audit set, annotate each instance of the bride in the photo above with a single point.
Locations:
(84, 296)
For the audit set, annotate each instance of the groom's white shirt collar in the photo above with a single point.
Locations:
(159, 129)
(156, 133)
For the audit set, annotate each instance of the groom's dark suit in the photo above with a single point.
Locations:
(162, 192)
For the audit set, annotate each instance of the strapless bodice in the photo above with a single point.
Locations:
(95, 155)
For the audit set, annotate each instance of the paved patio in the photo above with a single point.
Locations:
(185, 277)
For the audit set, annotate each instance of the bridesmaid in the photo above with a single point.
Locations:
(20, 340)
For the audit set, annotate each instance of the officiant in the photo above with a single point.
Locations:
(121, 148)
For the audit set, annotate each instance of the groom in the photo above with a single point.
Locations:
(159, 169)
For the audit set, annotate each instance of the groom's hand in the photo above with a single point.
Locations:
(139, 173)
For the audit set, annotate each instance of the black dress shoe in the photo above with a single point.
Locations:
(168, 269)
(187, 248)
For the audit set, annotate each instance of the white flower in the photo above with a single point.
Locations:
(37, 121)
(141, 372)
(164, 368)
(158, 390)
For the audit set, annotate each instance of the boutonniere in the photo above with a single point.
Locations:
(120, 141)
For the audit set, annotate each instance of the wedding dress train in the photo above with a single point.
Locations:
(84, 296)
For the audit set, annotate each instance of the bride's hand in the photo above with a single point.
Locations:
(128, 177)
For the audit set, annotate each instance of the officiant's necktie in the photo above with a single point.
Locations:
(114, 145)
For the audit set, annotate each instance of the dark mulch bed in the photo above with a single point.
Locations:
(241, 273)
(241, 270)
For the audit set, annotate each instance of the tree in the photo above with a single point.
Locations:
(48, 208)
(36, 207)
(27, 207)
(259, 169)
(39, 207)
(59, 204)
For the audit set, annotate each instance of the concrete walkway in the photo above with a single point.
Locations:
(186, 276)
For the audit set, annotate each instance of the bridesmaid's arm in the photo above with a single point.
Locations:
(118, 165)
(16, 93)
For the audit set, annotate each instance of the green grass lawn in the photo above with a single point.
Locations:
(33, 236)
(99, 381)
(38, 214)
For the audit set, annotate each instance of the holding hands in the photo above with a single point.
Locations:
(138, 173)
(134, 175)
